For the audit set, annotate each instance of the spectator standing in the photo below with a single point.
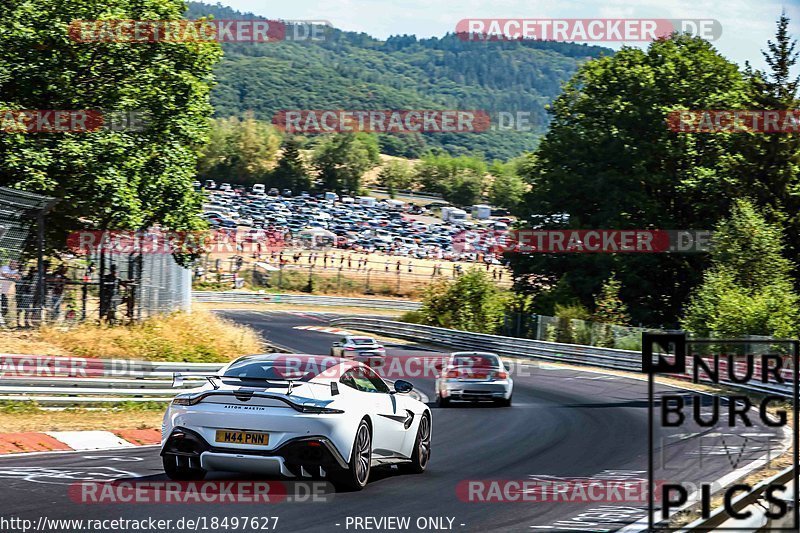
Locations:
(108, 294)
(57, 282)
(25, 289)
(9, 275)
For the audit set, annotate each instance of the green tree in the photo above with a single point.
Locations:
(473, 302)
(255, 147)
(609, 307)
(748, 289)
(459, 180)
(215, 158)
(396, 174)
(341, 160)
(571, 325)
(291, 170)
(609, 162)
(105, 179)
(609, 311)
(769, 166)
(507, 188)
(241, 151)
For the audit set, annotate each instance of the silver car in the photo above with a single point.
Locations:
(472, 377)
(358, 348)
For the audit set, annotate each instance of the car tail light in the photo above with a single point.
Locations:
(452, 373)
(349, 348)
(501, 375)
(310, 407)
(379, 347)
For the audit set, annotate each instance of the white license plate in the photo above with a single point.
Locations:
(242, 437)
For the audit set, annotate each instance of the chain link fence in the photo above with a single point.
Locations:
(133, 286)
(95, 285)
(333, 272)
(23, 279)
(573, 331)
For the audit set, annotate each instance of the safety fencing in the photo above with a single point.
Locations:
(606, 358)
(626, 360)
(69, 382)
(303, 299)
(753, 502)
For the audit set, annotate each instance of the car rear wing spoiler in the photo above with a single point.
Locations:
(178, 379)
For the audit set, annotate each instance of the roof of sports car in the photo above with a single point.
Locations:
(299, 364)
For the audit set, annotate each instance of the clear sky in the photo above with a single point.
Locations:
(746, 24)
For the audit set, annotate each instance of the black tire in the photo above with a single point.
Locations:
(356, 476)
(422, 448)
(178, 473)
(442, 402)
(332, 353)
(503, 402)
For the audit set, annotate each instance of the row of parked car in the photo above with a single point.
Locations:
(362, 223)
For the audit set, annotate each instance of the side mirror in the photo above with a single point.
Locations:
(403, 386)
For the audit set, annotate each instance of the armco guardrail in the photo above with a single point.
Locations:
(69, 381)
(752, 502)
(515, 347)
(581, 355)
(303, 299)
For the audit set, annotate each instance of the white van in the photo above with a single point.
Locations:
(331, 196)
(394, 204)
(481, 211)
(367, 201)
(259, 188)
(453, 215)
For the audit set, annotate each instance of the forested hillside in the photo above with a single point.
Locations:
(355, 71)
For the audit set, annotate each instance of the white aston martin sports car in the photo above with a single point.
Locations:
(297, 416)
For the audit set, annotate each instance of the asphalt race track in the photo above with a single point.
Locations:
(563, 424)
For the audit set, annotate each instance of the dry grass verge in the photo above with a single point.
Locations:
(197, 337)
